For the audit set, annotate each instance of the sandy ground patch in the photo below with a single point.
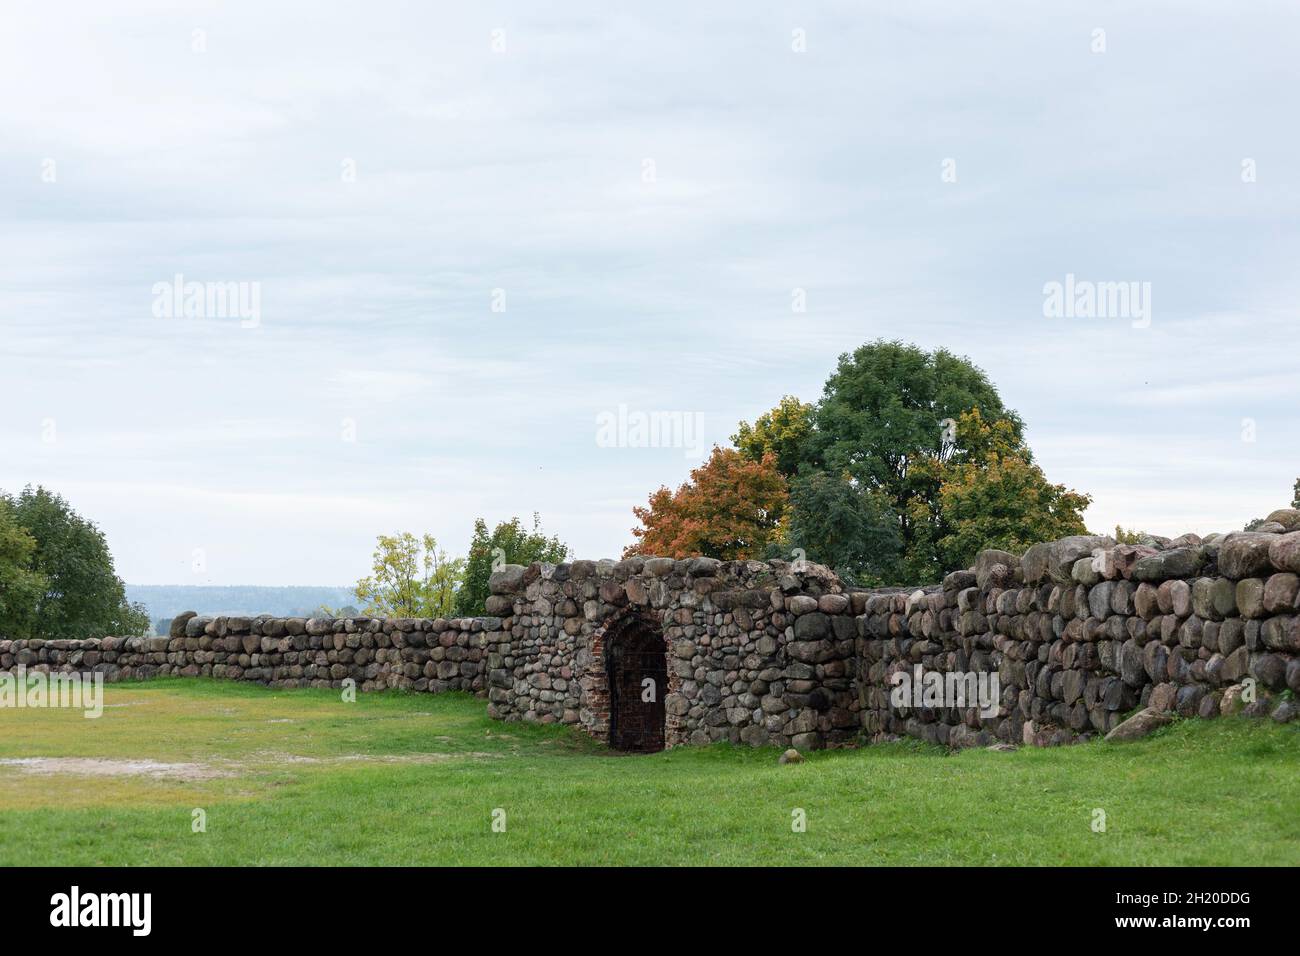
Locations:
(103, 767)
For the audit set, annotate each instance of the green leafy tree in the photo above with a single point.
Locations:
(840, 523)
(83, 595)
(783, 432)
(886, 418)
(508, 543)
(21, 585)
(411, 577)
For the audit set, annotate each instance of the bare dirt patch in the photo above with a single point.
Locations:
(104, 767)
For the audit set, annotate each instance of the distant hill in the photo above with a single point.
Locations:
(168, 600)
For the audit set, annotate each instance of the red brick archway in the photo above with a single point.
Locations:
(626, 652)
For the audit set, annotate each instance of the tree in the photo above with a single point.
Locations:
(885, 410)
(83, 595)
(412, 578)
(731, 508)
(783, 431)
(992, 495)
(509, 543)
(21, 585)
(1131, 536)
(837, 522)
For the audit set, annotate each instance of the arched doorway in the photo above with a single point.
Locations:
(636, 664)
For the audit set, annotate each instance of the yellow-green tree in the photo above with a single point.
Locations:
(411, 577)
(780, 432)
(991, 494)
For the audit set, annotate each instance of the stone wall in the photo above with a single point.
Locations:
(1079, 632)
(1082, 630)
(421, 655)
(758, 652)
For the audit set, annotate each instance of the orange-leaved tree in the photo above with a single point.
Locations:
(731, 508)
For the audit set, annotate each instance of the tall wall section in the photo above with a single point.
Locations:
(758, 652)
(1082, 630)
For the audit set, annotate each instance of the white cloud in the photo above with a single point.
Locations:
(522, 171)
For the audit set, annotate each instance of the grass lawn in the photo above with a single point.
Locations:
(300, 777)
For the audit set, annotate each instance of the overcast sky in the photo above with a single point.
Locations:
(643, 194)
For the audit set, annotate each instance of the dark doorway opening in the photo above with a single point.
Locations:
(636, 662)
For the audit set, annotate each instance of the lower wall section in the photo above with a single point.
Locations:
(420, 655)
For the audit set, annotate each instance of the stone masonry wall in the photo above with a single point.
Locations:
(1082, 630)
(759, 652)
(420, 655)
(1079, 632)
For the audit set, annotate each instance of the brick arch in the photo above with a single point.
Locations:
(595, 683)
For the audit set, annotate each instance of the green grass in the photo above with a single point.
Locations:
(412, 779)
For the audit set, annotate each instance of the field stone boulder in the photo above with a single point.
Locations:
(1146, 601)
(1284, 552)
(1232, 701)
(1280, 592)
(1244, 554)
(508, 580)
(1180, 598)
(196, 625)
(177, 628)
(1223, 598)
(801, 604)
(1085, 572)
(1288, 518)
(1203, 599)
(995, 568)
(1139, 725)
(1162, 697)
(1250, 597)
(704, 567)
(1126, 556)
(1055, 559)
(1099, 599)
(1281, 633)
(1168, 565)
(812, 626)
(833, 603)
(1270, 670)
